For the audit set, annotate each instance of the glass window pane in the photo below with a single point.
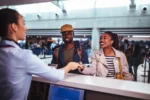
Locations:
(38, 7)
(142, 2)
(112, 3)
(78, 4)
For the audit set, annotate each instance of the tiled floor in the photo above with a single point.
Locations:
(140, 71)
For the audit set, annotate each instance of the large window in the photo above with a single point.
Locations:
(111, 3)
(37, 8)
(142, 2)
(78, 4)
(74, 5)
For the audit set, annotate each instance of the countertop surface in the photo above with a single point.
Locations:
(105, 85)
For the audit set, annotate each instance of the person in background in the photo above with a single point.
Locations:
(26, 45)
(18, 65)
(137, 59)
(49, 42)
(44, 47)
(70, 50)
(129, 54)
(108, 61)
(56, 45)
(125, 45)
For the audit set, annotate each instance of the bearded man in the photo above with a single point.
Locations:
(70, 50)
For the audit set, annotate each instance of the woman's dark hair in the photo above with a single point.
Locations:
(7, 16)
(114, 37)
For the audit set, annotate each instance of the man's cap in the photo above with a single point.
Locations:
(66, 27)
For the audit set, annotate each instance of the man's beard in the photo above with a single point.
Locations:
(68, 42)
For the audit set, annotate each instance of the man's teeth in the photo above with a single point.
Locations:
(102, 43)
(66, 39)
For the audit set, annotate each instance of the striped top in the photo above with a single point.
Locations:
(110, 65)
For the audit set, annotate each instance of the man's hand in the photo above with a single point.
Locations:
(74, 65)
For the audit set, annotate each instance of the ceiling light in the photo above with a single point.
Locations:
(140, 36)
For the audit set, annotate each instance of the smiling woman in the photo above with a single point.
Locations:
(108, 61)
(18, 65)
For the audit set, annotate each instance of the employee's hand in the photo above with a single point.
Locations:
(71, 66)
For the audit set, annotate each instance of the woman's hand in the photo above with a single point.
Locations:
(81, 68)
(74, 65)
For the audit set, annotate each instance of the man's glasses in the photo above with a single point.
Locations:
(66, 33)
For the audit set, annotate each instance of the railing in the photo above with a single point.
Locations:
(147, 60)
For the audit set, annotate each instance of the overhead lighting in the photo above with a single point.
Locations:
(140, 36)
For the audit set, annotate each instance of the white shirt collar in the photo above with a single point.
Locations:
(7, 42)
